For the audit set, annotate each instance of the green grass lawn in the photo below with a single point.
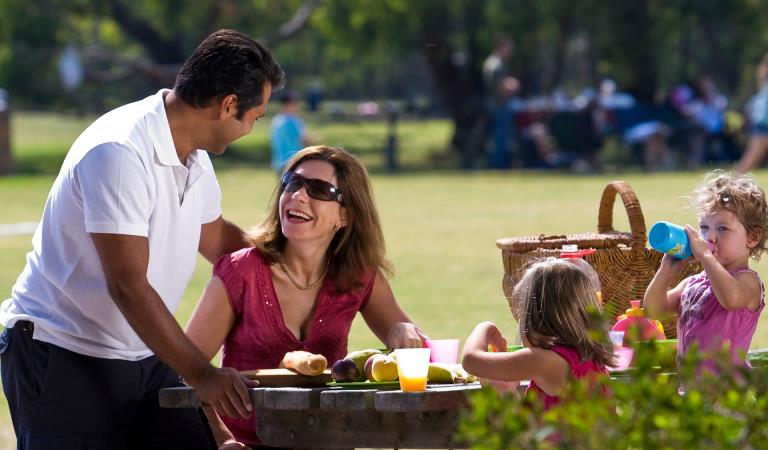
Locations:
(440, 227)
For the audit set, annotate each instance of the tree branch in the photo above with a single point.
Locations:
(166, 55)
(293, 25)
(160, 50)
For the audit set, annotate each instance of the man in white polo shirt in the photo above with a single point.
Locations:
(90, 337)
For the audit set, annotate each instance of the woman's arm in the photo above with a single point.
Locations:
(547, 368)
(212, 318)
(209, 325)
(387, 319)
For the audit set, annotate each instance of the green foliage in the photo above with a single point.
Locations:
(643, 409)
(377, 48)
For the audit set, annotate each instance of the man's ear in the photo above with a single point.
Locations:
(228, 106)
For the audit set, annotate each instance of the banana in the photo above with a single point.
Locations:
(463, 374)
(440, 373)
(360, 357)
(449, 373)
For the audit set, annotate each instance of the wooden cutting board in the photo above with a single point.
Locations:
(286, 378)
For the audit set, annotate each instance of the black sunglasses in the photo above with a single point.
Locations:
(319, 189)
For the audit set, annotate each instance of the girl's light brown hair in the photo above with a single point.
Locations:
(556, 304)
(739, 194)
(356, 248)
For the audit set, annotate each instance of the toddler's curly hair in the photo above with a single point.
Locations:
(739, 194)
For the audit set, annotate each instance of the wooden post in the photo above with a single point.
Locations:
(6, 160)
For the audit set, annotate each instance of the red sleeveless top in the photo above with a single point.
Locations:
(259, 337)
(579, 369)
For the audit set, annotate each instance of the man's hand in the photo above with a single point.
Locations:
(224, 389)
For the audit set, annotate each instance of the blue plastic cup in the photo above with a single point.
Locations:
(671, 239)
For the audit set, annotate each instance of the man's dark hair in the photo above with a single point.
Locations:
(228, 62)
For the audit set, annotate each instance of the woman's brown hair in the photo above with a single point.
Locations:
(557, 305)
(356, 248)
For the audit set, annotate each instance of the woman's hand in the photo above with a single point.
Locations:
(231, 444)
(405, 335)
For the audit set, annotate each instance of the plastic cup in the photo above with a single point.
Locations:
(617, 338)
(624, 356)
(670, 238)
(412, 368)
(443, 350)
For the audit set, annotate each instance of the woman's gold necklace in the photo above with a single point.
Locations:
(298, 285)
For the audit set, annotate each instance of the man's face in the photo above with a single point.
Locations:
(233, 129)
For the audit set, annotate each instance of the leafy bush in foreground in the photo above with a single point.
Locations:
(643, 411)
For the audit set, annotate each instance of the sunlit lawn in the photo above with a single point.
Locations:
(440, 227)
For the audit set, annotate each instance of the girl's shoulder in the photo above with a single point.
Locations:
(745, 271)
(570, 354)
(579, 367)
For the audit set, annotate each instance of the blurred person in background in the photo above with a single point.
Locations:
(90, 338)
(288, 133)
(637, 123)
(707, 115)
(499, 89)
(757, 114)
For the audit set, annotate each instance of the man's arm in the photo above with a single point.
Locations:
(124, 259)
(220, 237)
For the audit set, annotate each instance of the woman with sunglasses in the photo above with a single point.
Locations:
(315, 261)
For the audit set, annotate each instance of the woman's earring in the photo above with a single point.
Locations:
(335, 227)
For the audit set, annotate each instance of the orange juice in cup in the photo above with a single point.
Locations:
(412, 368)
(416, 384)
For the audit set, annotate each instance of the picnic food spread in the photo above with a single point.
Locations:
(376, 366)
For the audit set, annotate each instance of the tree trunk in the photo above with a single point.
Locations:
(564, 28)
(639, 51)
(463, 99)
(6, 160)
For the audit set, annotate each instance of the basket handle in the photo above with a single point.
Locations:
(631, 204)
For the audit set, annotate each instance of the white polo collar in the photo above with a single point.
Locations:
(160, 132)
(165, 150)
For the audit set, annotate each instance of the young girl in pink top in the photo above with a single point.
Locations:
(721, 305)
(553, 302)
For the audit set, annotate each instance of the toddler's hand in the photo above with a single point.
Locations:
(699, 246)
(496, 340)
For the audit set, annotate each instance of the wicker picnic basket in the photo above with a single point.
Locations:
(624, 264)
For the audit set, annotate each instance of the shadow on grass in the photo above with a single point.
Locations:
(47, 163)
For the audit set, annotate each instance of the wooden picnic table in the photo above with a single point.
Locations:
(347, 418)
